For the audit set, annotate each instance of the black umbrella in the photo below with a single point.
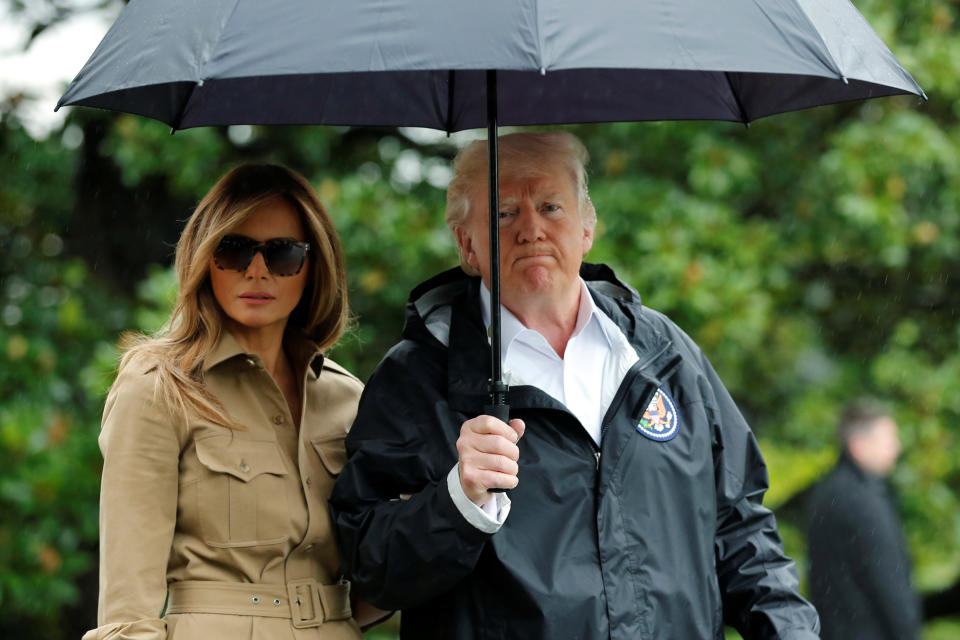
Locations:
(442, 63)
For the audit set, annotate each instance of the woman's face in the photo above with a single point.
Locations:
(256, 299)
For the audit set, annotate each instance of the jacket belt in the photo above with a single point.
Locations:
(305, 602)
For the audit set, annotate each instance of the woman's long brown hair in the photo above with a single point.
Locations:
(180, 349)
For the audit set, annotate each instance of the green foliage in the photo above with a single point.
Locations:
(385, 233)
(814, 257)
(157, 295)
(56, 324)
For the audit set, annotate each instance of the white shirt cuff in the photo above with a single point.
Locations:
(488, 518)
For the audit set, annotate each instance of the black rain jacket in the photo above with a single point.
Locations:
(638, 539)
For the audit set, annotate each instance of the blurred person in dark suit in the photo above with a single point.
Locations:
(859, 567)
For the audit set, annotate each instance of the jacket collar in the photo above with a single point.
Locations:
(861, 474)
(468, 351)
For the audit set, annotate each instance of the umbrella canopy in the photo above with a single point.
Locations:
(396, 62)
(461, 64)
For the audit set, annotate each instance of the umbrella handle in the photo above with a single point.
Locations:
(500, 412)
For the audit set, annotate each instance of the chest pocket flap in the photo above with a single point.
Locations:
(242, 459)
(332, 452)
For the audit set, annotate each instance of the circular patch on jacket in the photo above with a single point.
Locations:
(660, 421)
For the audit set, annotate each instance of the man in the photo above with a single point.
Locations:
(634, 508)
(859, 568)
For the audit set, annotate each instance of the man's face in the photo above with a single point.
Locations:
(542, 238)
(878, 448)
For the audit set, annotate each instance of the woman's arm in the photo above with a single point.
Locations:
(138, 510)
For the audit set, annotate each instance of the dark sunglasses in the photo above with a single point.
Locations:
(283, 256)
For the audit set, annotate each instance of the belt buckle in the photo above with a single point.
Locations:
(306, 611)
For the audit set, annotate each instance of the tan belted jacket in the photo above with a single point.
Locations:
(233, 524)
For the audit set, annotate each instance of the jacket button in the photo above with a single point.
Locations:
(309, 547)
(244, 466)
(307, 482)
(251, 362)
(278, 419)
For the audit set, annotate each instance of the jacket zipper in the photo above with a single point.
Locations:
(625, 384)
(627, 381)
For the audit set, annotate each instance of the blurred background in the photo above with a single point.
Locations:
(814, 256)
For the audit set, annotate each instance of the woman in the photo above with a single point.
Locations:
(221, 437)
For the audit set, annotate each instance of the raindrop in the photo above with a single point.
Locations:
(12, 315)
(72, 137)
(240, 134)
(51, 245)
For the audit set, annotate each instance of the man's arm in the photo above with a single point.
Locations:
(758, 582)
(404, 539)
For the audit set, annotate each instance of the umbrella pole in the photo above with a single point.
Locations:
(498, 407)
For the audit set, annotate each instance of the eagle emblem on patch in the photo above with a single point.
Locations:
(660, 421)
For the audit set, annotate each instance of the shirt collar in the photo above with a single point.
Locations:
(511, 327)
(302, 351)
(226, 348)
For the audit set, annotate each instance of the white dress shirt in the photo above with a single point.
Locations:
(596, 359)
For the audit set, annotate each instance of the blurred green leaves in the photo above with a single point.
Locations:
(50, 398)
